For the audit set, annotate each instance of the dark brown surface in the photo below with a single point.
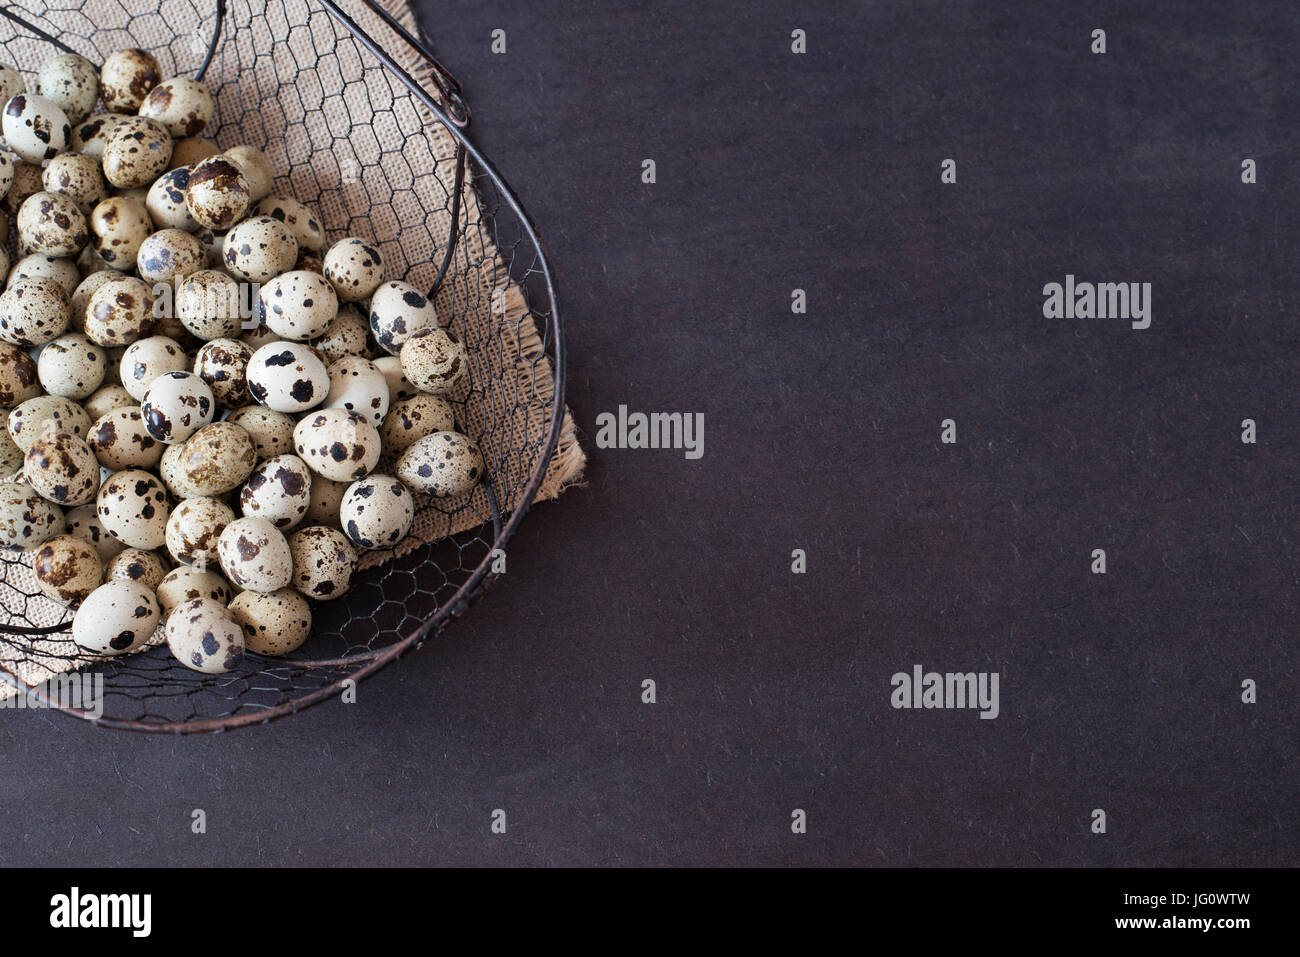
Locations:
(821, 172)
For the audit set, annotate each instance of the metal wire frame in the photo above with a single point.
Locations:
(450, 109)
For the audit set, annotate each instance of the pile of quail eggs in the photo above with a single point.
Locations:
(177, 459)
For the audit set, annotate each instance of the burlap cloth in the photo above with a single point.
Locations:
(374, 181)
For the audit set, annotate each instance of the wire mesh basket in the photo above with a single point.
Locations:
(370, 135)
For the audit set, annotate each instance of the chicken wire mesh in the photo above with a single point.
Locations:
(377, 152)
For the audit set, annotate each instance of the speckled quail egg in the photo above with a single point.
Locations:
(71, 366)
(194, 528)
(412, 419)
(286, 377)
(35, 265)
(83, 523)
(85, 289)
(259, 335)
(27, 180)
(11, 83)
(260, 248)
(347, 335)
(176, 405)
(377, 512)
(118, 228)
(166, 201)
(299, 305)
(120, 441)
(19, 376)
(256, 167)
(169, 472)
(271, 432)
(11, 456)
(35, 311)
(208, 304)
(118, 617)
(70, 82)
(324, 561)
(273, 624)
(442, 465)
(35, 127)
(78, 177)
(357, 385)
(169, 254)
(223, 365)
(191, 150)
(326, 496)
(305, 224)
(136, 153)
(204, 636)
(354, 268)
(26, 519)
(8, 165)
(119, 312)
(67, 570)
(337, 444)
(434, 361)
(126, 79)
(91, 135)
(217, 195)
(397, 311)
(255, 555)
(279, 490)
(187, 583)
(310, 261)
(210, 242)
(181, 104)
(146, 359)
(133, 508)
(61, 467)
(44, 412)
(53, 224)
(137, 565)
(109, 398)
(215, 460)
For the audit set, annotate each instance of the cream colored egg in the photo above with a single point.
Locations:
(187, 583)
(257, 169)
(354, 268)
(72, 366)
(136, 153)
(78, 177)
(137, 565)
(215, 460)
(67, 570)
(166, 201)
(398, 311)
(305, 224)
(109, 398)
(287, 377)
(61, 468)
(35, 127)
(377, 512)
(357, 385)
(147, 359)
(91, 135)
(168, 255)
(278, 490)
(194, 527)
(33, 417)
(19, 376)
(208, 304)
(184, 106)
(255, 555)
(118, 617)
(324, 562)
(120, 441)
(71, 82)
(118, 228)
(412, 419)
(338, 444)
(223, 365)
(442, 465)
(119, 312)
(52, 224)
(35, 265)
(26, 519)
(273, 624)
(83, 523)
(126, 78)
(133, 508)
(218, 195)
(259, 249)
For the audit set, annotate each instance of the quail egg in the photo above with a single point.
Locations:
(442, 465)
(119, 312)
(208, 304)
(398, 311)
(133, 508)
(53, 224)
(176, 405)
(286, 377)
(61, 467)
(354, 268)
(136, 153)
(19, 376)
(67, 570)
(273, 624)
(337, 444)
(11, 83)
(324, 561)
(36, 265)
(182, 105)
(260, 248)
(118, 617)
(258, 335)
(120, 441)
(255, 556)
(26, 519)
(191, 150)
(11, 456)
(398, 386)
(302, 221)
(215, 460)
(70, 82)
(137, 565)
(169, 254)
(326, 496)
(146, 359)
(108, 398)
(223, 365)
(8, 167)
(35, 311)
(91, 135)
(412, 419)
(187, 583)
(71, 366)
(377, 512)
(299, 305)
(271, 432)
(35, 127)
(166, 201)
(434, 361)
(257, 169)
(27, 180)
(347, 335)
(126, 79)
(218, 195)
(194, 528)
(118, 228)
(357, 385)
(204, 636)
(44, 412)
(279, 490)
(78, 177)
(83, 523)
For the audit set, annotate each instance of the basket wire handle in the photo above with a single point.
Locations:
(41, 34)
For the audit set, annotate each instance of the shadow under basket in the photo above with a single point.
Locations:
(373, 142)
